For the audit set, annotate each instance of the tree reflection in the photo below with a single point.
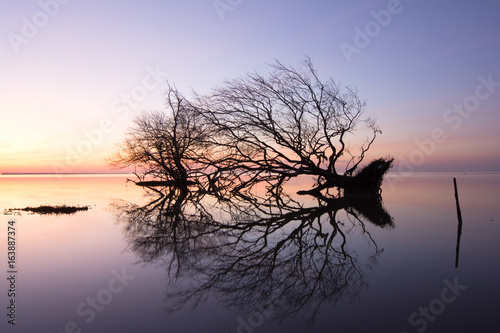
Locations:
(272, 251)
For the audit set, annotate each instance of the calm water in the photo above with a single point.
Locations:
(202, 265)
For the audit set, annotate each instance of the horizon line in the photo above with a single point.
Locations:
(130, 173)
(64, 173)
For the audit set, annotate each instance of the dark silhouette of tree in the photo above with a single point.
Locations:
(259, 129)
(216, 152)
(248, 250)
(290, 123)
(166, 146)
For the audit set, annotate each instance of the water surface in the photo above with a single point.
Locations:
(116, 268)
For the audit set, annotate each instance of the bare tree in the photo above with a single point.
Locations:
(259, 129)
(165, 146)
(290, 123)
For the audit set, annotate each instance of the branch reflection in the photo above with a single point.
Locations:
(270, 251)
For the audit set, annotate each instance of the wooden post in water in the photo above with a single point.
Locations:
(459, 215)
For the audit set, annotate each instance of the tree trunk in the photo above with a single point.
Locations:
(366, 182)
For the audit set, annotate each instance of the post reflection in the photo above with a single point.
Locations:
(252, 250)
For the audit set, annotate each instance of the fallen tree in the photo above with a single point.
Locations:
(259, 129)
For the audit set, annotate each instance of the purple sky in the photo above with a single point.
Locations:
(74, 73)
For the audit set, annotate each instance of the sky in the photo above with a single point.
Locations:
(74, 74)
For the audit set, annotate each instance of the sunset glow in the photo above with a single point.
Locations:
(71, 84)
